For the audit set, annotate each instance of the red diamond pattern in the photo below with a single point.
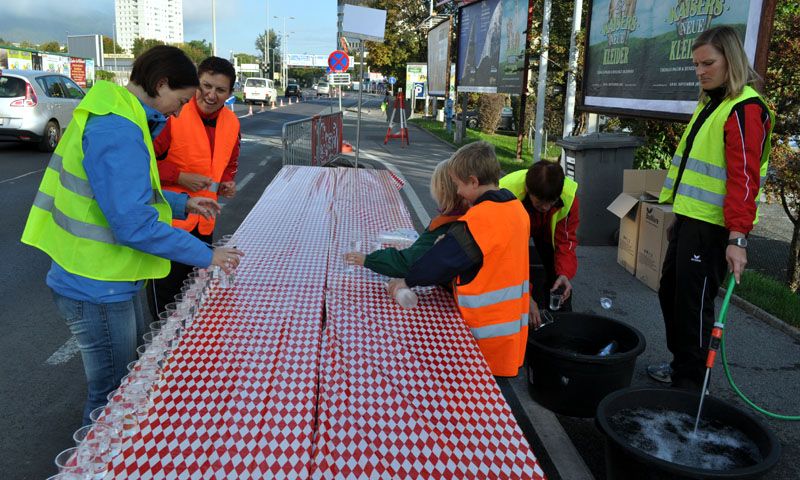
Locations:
(259, 388)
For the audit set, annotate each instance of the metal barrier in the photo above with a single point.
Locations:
(314, 141)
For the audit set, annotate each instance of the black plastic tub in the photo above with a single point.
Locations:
(566, 375)
(624, 461)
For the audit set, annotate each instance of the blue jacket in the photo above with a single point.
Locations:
(117, 165)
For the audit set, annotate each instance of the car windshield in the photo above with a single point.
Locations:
(256, 83)
(11, 87)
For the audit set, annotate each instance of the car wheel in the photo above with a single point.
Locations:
(472, 123)
(50, 137)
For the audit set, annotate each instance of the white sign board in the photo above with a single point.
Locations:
(339, 78)
(364, 23)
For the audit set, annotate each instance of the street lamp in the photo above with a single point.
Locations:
(266, 44)
(284, 69)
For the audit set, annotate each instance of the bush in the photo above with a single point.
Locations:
(661, 140)
(490, 105)
(105, 75)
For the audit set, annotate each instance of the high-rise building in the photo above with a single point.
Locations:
(156, 19)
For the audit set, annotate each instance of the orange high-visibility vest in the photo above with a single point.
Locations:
(190, 149)
(495, 304)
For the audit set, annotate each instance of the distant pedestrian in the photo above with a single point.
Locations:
(387, 100)
(714, 185)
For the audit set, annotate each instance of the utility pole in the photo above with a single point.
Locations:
(214, 27)
(569, 107)
(114, 46)
(540, 93)
(266, 45)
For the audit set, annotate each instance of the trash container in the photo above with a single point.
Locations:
(596, 162)
(506, 119)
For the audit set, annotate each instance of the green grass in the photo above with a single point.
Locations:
(505, 145)
(770, 295)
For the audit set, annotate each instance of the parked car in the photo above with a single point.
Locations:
(323, 88)
(36, 106)
(259, 90)
(472, 118)
(293, 90)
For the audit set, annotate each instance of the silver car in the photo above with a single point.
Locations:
(36, 106)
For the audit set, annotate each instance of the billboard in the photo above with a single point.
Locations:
(491, 46)
(438, 58)
(55, 64)
(77, 70)
(416, 78)
(639, 52)
(20, 60)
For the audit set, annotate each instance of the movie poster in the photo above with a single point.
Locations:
(640, 51)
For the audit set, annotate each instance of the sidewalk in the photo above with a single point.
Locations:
(765, 362)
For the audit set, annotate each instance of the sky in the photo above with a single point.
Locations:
(239, 22)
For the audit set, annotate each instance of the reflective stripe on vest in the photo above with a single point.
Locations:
(66, 221)
(702, 189)
(496, 296)
(500, 329)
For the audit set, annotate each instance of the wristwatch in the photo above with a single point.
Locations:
(740, 242)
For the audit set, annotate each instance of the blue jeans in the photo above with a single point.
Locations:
(107, 334)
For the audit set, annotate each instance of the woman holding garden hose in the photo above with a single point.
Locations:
(714, 185)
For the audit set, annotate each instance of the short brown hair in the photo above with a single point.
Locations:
(545, 180)
(160, 62)
(217, 65)
(476, 159)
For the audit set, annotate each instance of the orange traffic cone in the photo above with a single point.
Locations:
(261, 110)
(281, 102)
(250, 110)
(272, 102)
(346, 147)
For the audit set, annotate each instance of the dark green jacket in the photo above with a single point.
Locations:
(395, 263)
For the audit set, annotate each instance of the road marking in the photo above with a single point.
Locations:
(23, 175)
(416, 204)
(64, 353)
(262, 163)
(247, 178)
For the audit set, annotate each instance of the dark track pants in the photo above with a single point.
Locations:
(163, 290)
(693, 270)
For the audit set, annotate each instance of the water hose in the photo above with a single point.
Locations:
(723, 312)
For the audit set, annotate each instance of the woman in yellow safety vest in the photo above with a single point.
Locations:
(101, 216)
(714, 184)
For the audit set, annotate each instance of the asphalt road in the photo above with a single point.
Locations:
(42, 384)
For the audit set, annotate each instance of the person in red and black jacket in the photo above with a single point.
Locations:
(550, 198)
(714, 186)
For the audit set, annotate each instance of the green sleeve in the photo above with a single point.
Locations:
(396, 263)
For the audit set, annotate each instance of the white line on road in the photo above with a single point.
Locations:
(23, 175)
(64, 353)
(262, 163)
(416, 204)
(247, 178)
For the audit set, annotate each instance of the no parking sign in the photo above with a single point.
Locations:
(338, 61)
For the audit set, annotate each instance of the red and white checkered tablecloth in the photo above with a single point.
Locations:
(261, 386)
(404, 393)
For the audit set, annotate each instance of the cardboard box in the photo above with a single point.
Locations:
(638, 187)
(653, 226)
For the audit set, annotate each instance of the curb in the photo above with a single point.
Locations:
(441, 140)
(763, 315)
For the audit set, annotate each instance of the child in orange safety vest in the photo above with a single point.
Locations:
(485, 255)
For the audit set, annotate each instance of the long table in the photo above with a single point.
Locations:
(308, 369)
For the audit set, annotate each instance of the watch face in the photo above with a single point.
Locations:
(739, 242)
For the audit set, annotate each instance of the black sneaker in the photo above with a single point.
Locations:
(660, 372)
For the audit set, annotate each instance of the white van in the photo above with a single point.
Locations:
(257, 90)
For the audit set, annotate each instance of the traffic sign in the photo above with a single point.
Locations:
(338, 61)
(339, 78)
(392, 80)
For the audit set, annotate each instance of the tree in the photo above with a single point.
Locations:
(782, 89)
(51, 46)
(246, 58)
(105, 75)
(111, 47)
(274, 51)
(196, 50)
(403, 42)
(141, 45)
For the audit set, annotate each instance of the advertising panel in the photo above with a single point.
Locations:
(438, 61)
(20, 60)
(90, 76)
(491, 50)
(77, 71)
(3, 58)
(416, 78)
(639, 54)
(55, 64)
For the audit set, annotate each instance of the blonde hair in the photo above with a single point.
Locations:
(476, 159)
(444, 191)
(726, 41)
